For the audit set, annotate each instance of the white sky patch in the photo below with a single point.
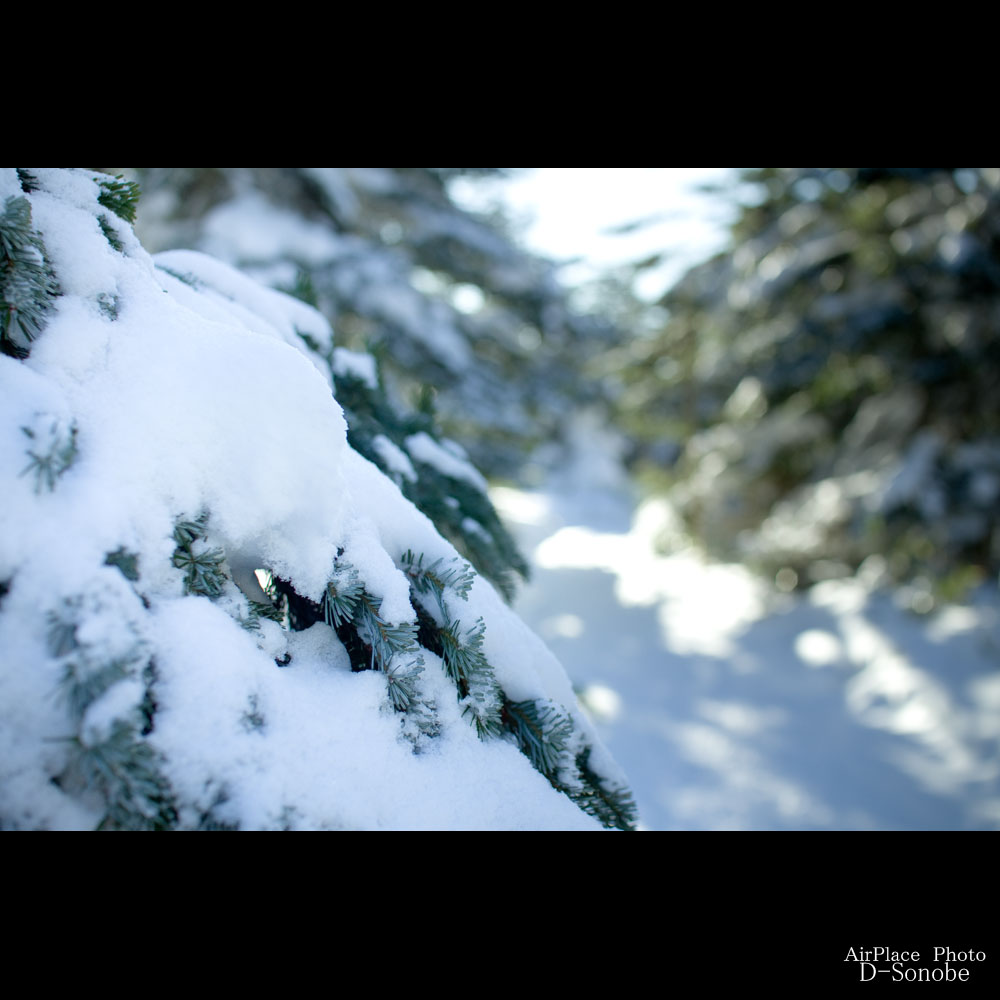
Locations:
(565, 213)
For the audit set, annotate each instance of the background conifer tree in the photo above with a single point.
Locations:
(826, 389)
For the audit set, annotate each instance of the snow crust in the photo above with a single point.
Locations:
(193, 396)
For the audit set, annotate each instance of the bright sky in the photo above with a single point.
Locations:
(566, 212)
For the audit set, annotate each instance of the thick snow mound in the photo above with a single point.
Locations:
(166, 437)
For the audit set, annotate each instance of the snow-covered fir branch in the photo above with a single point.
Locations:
(216, 611)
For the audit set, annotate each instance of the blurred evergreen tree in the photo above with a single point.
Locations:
(464, 325)
(828, 389)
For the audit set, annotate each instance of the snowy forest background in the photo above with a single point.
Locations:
(755, 517)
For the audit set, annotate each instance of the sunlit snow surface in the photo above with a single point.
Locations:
(732, 706)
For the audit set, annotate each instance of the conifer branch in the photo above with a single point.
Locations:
(386, 640)
(109, 305)
(109, 233)
(612, 804)
(542, 732)
(461, 653)
(28, 285)
(127, 562)
(391, 646)
(401, 681)
(257, 610)
(481, 706)
(182, 276)
(468, 521)
(346, 604)
(82, 685)
(120, 196)
(202, 570)
(48, 465)
(84, 679)
(29, 182)
(186, 532)
(439, 576)
(120, 768)
(208, 820)
(271, 612)
(123, 771)
(546, 735)
(252, 719)
(340, 599)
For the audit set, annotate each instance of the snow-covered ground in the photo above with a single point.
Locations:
(733, 706)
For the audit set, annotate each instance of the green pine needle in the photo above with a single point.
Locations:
(123, 771)
(127, 562)
(341, 597)
(439, 576)
(542, 731)
(29, 182)
(109, 305)
(463, 654)
(271, 612)
(49, 464)
(386, 640)
(81, 686)
(252, 719)
(346, 603)
(482, 708)
(401, 682)
(186, 532)
(203, 572)
(28, 286)
(120, 196)
(182, 276)
(109, 233)
(612, 804)
(257, 610)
